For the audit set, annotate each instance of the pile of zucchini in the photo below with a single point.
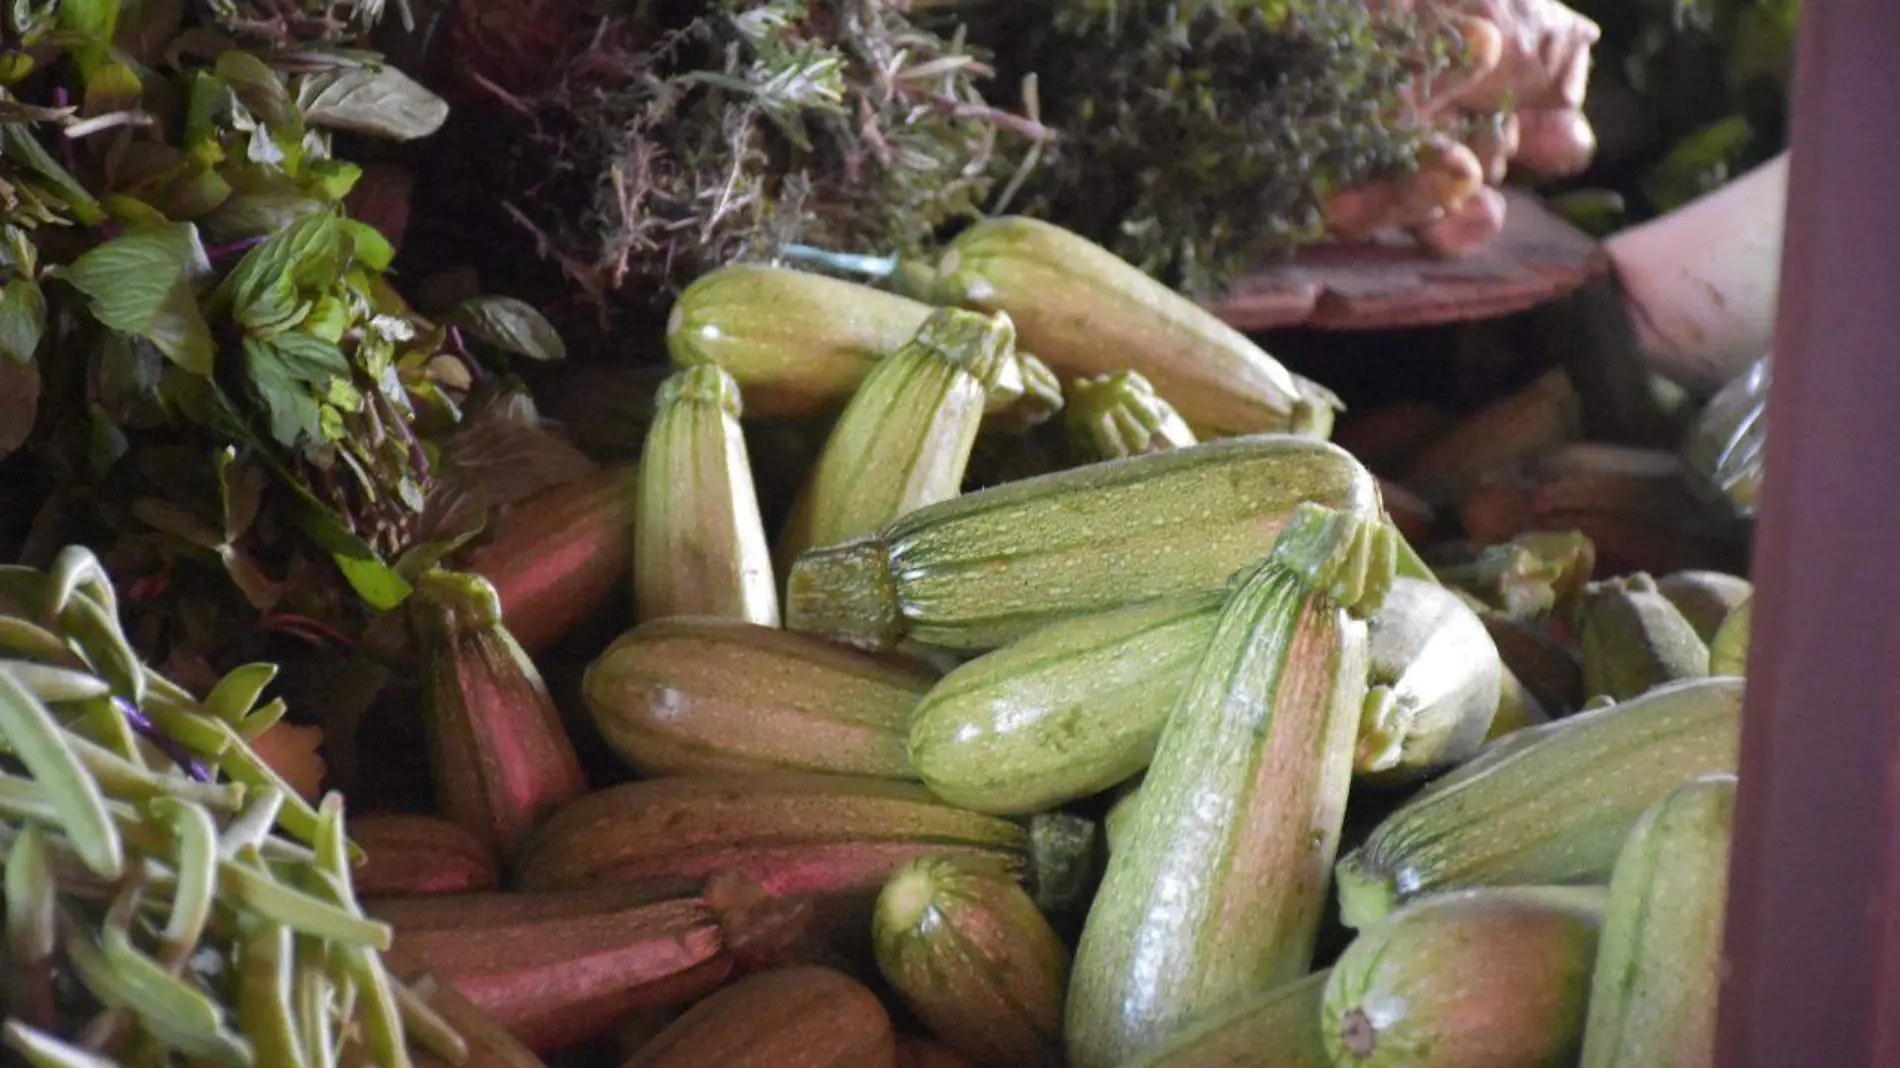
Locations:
(1165, 748)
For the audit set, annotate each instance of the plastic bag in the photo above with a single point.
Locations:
(1725, 443)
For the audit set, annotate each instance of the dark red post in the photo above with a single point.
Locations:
(1813, 977)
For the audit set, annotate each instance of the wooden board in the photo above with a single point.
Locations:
(1394, 283)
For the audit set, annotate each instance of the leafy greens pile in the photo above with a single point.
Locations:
(201, 351)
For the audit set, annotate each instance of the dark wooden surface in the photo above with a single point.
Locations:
(1397, 284)
(1813, 944)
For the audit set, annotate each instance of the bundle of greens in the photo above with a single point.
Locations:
(168, 897)
(201, 352)
(1199, 139)
(658, 145)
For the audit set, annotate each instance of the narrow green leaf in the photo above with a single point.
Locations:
(22, 319)
(31, 900)
(510, 324)
(36, 739)
(42, 1050)
(375, 582)
(373, 250)
(253, 889)
(196, 864)
(18, 143)
(236, 694)
(168, 1006)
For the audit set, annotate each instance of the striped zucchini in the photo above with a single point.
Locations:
(1217, 888)
(1493, 978)
(706, 696)
(793, 834)
(801, 343)
(904, 439)
(1275, 1029)
(1545, 805)
(971, 955)
(1068, 711)
(1086, 311)
(802, 1017)
(1653, 996)
(989, 567)
(699, 543)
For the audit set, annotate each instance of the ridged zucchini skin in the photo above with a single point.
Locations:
(1085, 311)
(801, 1017)
(974, 958)
(1492, 978)
(790, 833)
(1218, 887)
(987, 568)
(1066, 712)
(797, 342)
(1275, 1029)
(904, 439)
(1658, 970)
(712, 696)
(1545, 805)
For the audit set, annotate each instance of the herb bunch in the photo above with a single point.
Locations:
(205, 352)
(669, 147)
(1199, 138)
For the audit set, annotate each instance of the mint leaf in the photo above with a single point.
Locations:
(294, 416)
(258, 88)
(310, 358)
(510, 324)
(22, 319)
(263, 291)
(140, 284)
(381, 102)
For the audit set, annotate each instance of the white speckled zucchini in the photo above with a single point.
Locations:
(982, 570)
(1545, 805)
(1493, 978)
(1276, 1029)
(1086, 311)
(1217, 887)
(1653, 996)
(707, 696)
(1068, 711)
(904, 439)
(1436, 678)
(976, 961)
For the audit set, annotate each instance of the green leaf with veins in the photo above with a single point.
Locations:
(267, 290)
(291, 371)
(381, 102)
(140, 283)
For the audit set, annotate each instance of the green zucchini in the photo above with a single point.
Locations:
(1275, 1029)
(904, 440)
(971, 955)
(1635, 639)
(1436, 683)
(708, 696)
(1653, 996)
(982, 570)
(1086, 311)
(1493, 978)
(1545, 805)
(801, 343)
(1705, 598)
(1728, 651)
(1218, 886)
(1068, 711)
